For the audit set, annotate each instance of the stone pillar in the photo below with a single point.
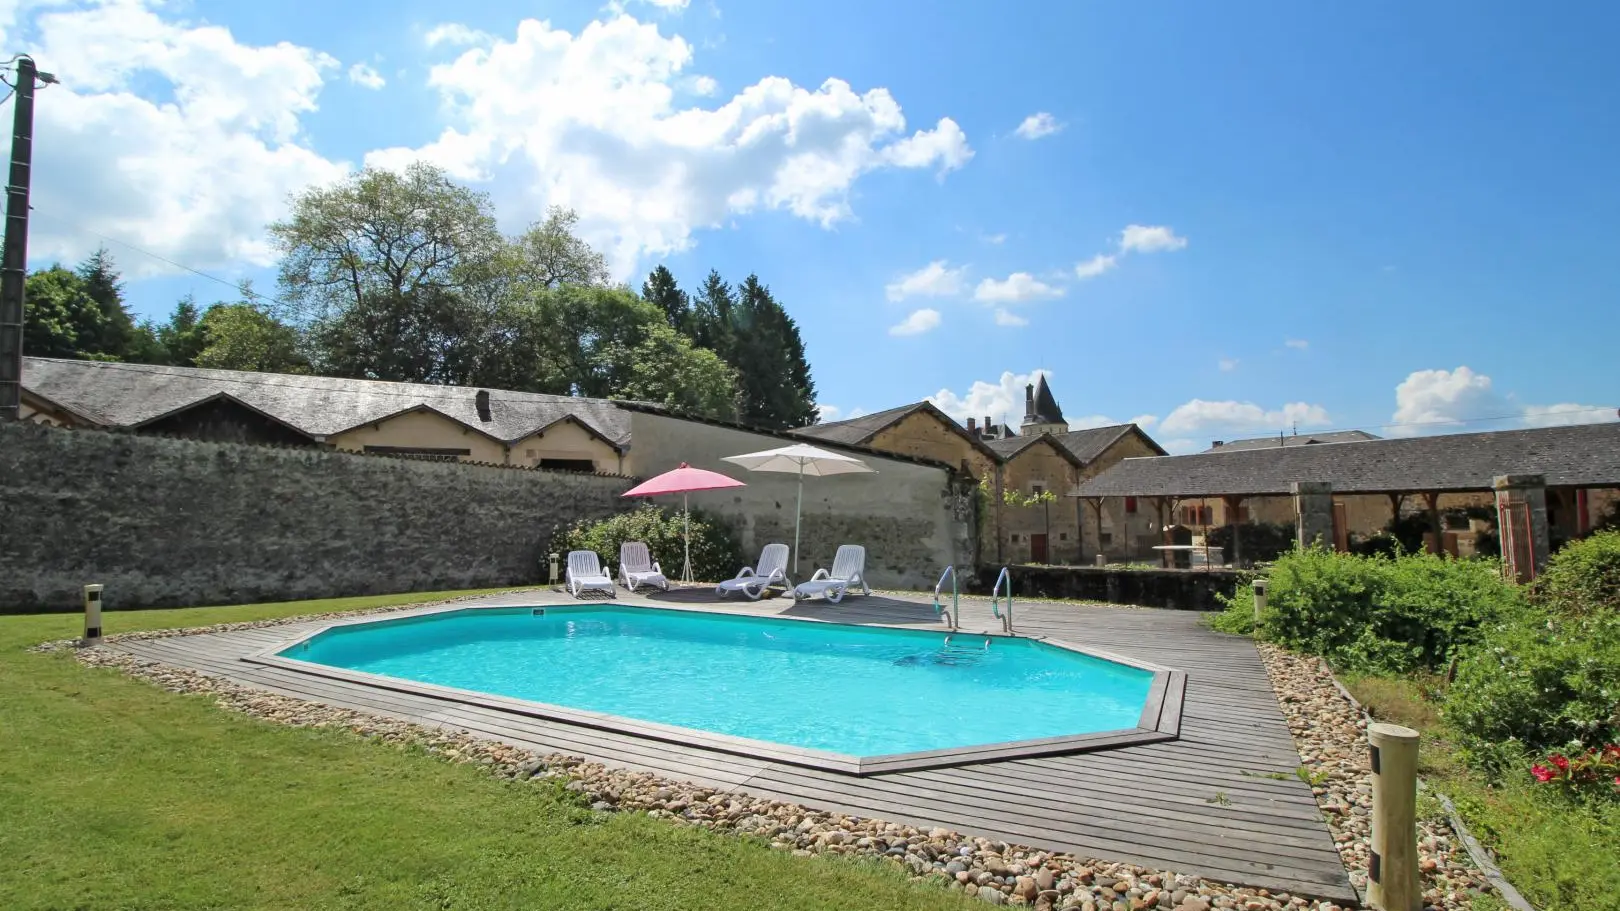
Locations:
(1313, 504)
(1521, 522)
(1231, 506)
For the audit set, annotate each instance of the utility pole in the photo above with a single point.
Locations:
(14, 259)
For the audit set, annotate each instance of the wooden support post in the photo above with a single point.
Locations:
(1097, 506)
(1431, 502)
(1395, 501)
(1232, 505)
(1392, 870)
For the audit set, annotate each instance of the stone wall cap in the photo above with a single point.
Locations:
(1510, 481)
(1311, 487)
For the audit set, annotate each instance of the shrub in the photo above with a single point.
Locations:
(1262, 541)
(1539, 680)
(1583, 577)
(1376, 615)
(716, 553)
(1595, 772)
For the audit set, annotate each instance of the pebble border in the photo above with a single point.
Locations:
(1328, 732)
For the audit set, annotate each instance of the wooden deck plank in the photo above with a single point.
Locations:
(1219, 801)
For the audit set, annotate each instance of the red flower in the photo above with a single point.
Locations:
(1558, 760)
(1543, 773)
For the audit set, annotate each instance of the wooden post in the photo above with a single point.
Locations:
(1392, 871)
(1432, 502)
(1232, 505)
(92, 614)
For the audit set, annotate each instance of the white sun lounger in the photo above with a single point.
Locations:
(637, 567)
(585, 574)
(751, 581)
(848, 569)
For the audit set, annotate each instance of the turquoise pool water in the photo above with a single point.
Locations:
(859, 691)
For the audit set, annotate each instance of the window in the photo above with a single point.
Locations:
(1130, 504)
(1015, 538)
(1063, 536)
(1037, 489)
(530, 453)
(447, 454)
(568, 464)
(1107, 538)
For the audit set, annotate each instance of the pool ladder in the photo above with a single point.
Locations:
(995, 600)
(949, 616)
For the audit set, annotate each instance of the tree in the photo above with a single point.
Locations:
(61, 317)
(182, 338)
(661, 290)
(243, 336)
(394, 275)
(773, 372)
(666, 369)
(710, 324)
(551, 255)
(113, 334)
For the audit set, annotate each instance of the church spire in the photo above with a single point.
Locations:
(1041, 411)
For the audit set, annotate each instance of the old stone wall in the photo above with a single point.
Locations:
(912, 518)
(166, 522)
(1194, 589)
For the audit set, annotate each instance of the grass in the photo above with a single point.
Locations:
(116, 794)
(1559, 852)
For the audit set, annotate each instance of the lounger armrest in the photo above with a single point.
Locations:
(747, 571)
(821, 574)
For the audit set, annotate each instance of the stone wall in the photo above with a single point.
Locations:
(165, 522)
(907, 515)
(1167, 588)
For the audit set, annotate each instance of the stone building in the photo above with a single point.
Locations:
(1016, 523)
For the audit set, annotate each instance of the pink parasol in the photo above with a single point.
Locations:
(683, 480)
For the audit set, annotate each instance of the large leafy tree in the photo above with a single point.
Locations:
(666, 369)
(61, 319)
(182, 338)
(550, 254)
(394, 274)
(244, 336)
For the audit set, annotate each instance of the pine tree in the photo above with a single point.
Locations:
(712, 314)
(661, 290)
(768, 354)
(115, 333)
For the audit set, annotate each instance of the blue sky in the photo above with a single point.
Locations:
(1222, 219)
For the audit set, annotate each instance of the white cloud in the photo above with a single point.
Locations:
(589, 120)
(1227, 364)
(1037, 125)
(1015, 288)
(1002, 400)
(1095, 266)
(1145, 420)
(1297, 344)
(705, 86)
(917, 323)
(194, 175)
(1568, 414)
(367, 78)
(1090, 421)
(1183, 445)
(1149, 239)
(826, 414)
(997, 239)
(1201, 417)
(937, 279)
(1445, 401)
(669, 6)
(1430, 397)
(1005, 317)
(454, 34)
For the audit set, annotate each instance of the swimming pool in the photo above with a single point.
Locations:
(822, 688)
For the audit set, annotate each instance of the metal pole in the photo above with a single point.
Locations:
(686, 530)
(14, 261)
(798, 508)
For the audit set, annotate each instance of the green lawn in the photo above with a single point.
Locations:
(116, 794)
(1558, 852)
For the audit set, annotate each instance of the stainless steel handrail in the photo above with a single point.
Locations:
(956, 600)
(995, 598)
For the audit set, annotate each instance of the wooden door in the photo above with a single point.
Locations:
(1037, 549)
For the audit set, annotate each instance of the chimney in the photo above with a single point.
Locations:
(989, 425)
(483, 404)
(1217, 444)
(973, 427)
(1029, 400)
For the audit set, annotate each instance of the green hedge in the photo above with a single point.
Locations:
(1374, 614)
(716, 553)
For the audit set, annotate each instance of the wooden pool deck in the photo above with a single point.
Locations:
(1202, 804)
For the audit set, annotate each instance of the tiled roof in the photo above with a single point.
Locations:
(1046, 407)
(1332, 436)
(127, 395)
(859, 430)
(1583, 456)
(1085, 445)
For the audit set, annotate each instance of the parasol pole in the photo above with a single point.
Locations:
(797, 509)
(686, 530)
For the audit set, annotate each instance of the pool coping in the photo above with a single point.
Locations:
(1160, 719)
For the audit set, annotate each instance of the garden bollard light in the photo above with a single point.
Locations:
(1392, 868)
(553, 569)
(92, 614)
(1102, 560)
(1259, 599)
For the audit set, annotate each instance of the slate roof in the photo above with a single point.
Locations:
(127, 395)
(860, 430)
(1085, 445)
(1583, 456)
(1046, 407)
(1332, 436)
